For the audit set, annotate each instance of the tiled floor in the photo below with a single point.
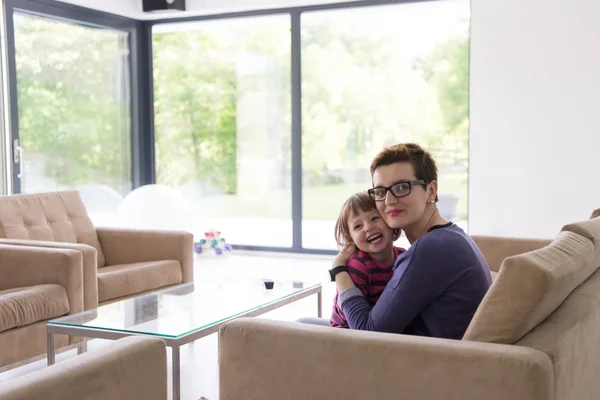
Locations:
(199, 360)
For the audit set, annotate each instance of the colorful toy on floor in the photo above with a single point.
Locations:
(212, 243)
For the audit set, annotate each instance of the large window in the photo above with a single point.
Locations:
(227, 153)
(74, 111)
(376, 76)
(222, 123)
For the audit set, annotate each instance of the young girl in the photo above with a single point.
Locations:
(371, 265)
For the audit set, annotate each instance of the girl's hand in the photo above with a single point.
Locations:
(344, 255)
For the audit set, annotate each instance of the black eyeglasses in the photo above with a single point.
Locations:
(398, 190)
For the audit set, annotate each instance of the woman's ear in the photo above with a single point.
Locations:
(432, 189)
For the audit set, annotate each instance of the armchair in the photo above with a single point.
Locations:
(113, 263)
(117, 262)
(36, 284)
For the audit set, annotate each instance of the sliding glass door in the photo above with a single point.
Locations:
(74, 124)
(376, 76)
(223, 125)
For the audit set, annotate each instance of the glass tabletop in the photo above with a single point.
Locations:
(184, 309)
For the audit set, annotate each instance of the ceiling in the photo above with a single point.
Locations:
(133, 8)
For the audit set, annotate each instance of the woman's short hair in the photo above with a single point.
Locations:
(357, 202)
(421, 160)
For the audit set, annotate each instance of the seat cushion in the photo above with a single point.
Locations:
(529, 287)
(56, 216)
(126, 279)
(26, 305)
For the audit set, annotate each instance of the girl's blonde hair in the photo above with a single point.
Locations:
(357, 202)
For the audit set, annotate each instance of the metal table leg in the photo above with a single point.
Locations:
(320, 304)
(82, 348)
(176, 373)
(50, 350)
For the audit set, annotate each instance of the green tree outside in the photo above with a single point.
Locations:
(357, 96)
(74, 115)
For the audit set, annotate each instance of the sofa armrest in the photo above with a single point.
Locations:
(129, 368)
(124, 246)
(22, 266)
(496, 248)
(90, 265)
(262, 359)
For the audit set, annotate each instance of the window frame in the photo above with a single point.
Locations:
(142, 86)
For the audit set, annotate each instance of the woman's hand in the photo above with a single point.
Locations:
(344, 255)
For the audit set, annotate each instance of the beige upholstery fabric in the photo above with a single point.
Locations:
(22, 266)
(124, 246)
(127, 369)
(570, 337)
(495, 249)
(24, 306)
(595, 213)
(48, 239)
(589, 229)
(56, 216)
(529, 287)
(124, 279)
(21, 343)
(90, 280)
(261, 359)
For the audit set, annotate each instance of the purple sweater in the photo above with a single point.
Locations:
(437, 285)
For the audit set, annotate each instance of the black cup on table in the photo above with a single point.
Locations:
(268, 283)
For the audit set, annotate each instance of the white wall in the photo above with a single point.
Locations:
(535, 115)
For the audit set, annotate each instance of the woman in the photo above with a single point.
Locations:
(440, 280)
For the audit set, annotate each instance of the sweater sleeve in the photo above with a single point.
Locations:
(420, 276)
(359, 271)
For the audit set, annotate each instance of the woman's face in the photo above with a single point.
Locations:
(400, 213)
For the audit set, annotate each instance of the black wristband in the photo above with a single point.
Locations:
(336, 270)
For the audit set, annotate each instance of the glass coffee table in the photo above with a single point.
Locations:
(181, 314)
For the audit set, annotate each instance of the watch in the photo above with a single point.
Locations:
(336, 270)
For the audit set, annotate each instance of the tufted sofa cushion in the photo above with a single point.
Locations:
(56, 216)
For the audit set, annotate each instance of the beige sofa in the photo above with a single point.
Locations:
(130, 368)
(535, 336)
(36, 284)
(53, 262)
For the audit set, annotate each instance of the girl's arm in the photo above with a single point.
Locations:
(343, 281)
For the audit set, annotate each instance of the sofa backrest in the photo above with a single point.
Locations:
(531, 286)
(496, 248)
(56, 216)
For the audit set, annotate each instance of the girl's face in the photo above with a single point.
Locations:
(403, 212)
(369, 232)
